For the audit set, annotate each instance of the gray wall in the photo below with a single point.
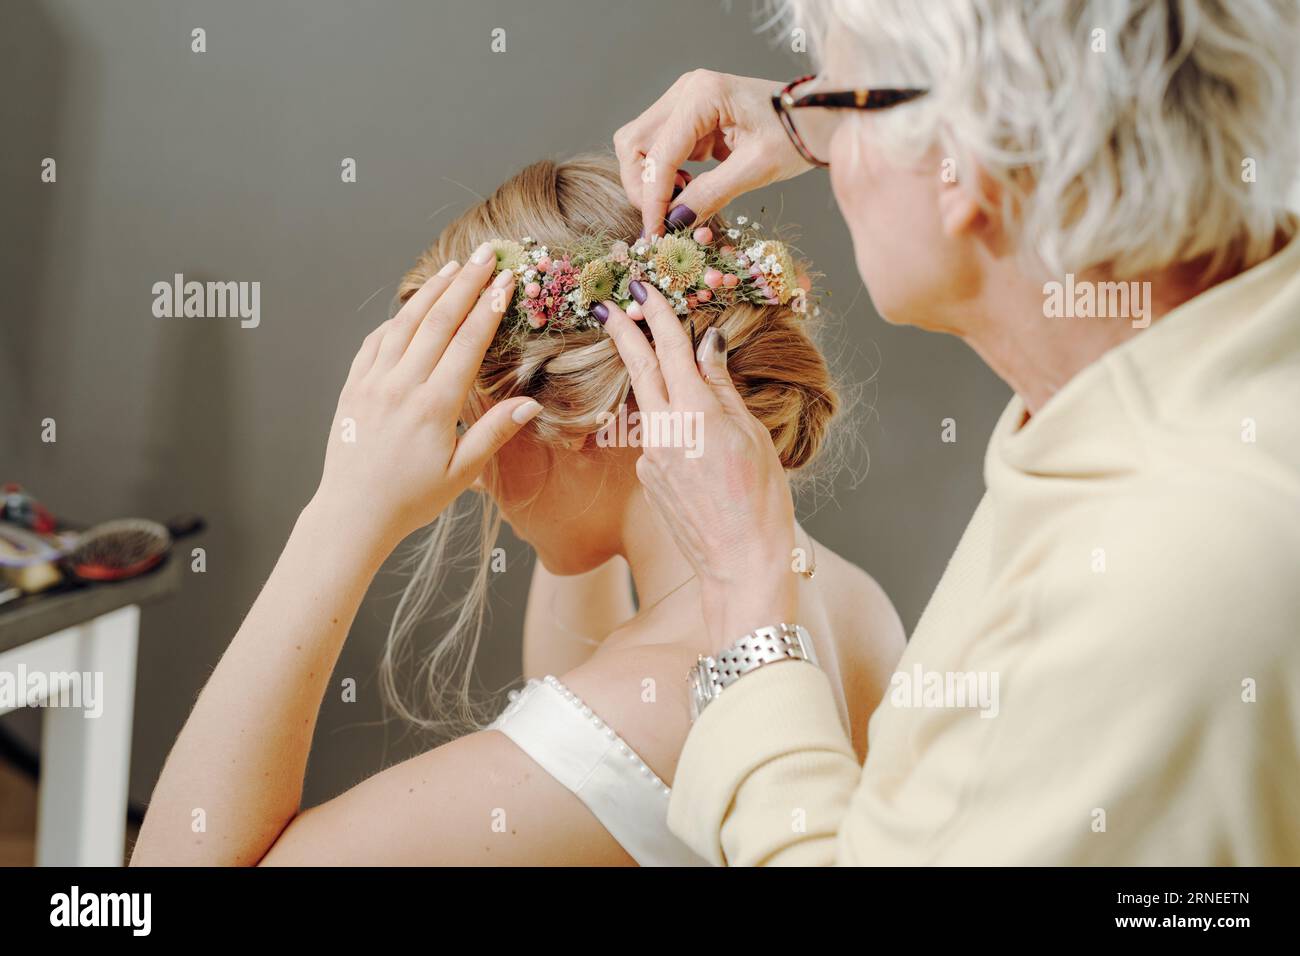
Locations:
(225, 165)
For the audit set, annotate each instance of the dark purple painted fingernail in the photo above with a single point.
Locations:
(680, 217)
(637, 290)
(600, 312)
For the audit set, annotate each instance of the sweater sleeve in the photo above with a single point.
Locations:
(1146, 714)
(767, 772)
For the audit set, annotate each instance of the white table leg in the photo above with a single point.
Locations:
(81, 820)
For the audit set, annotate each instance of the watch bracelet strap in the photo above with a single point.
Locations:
(764, 645)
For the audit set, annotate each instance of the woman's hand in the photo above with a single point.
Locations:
(729, 508)
(394, 461)
(704, 115)
(394, 458)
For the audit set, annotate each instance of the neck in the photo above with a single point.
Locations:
(657, 564)
(659, 569)
(1041, 336)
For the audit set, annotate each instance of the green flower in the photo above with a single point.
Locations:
(679, 260)
(596, 282)
(510, 254)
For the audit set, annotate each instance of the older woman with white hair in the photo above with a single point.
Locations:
(1092, 195)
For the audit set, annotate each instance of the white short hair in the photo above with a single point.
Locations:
(1127, 134)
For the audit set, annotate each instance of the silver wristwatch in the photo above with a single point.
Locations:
(712, 675)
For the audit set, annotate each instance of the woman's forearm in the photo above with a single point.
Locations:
(234, 779)
(394, 460)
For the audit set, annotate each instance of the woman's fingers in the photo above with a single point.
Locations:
(365, 356)
(391, 338)
(632, 140)
(498, 425)
(693, 121)
(672, 345)
(639, 358)
(705, 114)
(711, 190)
(455, 368)
(711, 358)
(425, 344)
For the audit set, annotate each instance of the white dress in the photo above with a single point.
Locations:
(565, 738)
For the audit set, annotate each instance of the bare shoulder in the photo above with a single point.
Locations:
(850, 613)
(860, 613)
(640, 691)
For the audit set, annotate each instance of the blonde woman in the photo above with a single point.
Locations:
(1092, 196)
(577, 769)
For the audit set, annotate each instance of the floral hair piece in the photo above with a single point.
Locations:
(557, 289)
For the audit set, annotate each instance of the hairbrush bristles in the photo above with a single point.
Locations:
(119, 549)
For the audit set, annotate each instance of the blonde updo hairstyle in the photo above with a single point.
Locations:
(577, 375)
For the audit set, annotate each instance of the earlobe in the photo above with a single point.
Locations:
(959, 212)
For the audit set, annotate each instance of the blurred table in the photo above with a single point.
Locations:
(85, 760)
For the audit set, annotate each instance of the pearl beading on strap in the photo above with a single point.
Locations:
(571, 743)
(516, 698)
(641, 766)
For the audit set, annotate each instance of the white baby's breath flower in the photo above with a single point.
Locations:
(741, 220)
(733, 233)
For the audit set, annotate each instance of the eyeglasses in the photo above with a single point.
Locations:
(811, 133)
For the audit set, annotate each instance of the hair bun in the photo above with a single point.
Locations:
(774, 362)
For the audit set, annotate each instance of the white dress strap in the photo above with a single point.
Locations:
(556, 729)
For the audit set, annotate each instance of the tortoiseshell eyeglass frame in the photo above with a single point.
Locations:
(784, 102)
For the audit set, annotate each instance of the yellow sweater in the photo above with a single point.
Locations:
(1127, 599)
